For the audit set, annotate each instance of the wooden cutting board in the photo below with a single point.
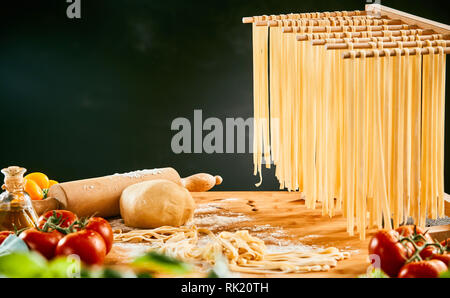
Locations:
(266, 214)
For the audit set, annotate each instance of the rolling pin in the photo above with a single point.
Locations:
(101, 196)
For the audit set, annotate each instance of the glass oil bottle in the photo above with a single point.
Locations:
(16, 209)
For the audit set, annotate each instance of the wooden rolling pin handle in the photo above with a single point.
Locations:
(201, 182)
(46, 205)
(101, 196)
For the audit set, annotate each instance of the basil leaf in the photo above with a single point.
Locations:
(110, 273)
(62, 268)
(156, 262)
(377, 273)
(144, 275)
(22, 265)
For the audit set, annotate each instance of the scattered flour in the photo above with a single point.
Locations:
(286, 248)
(273, 240)
(140, 174)
(213, 216)
(310, 237)
(218, 221)
(206, 208)
(230, 200)
(258, 228)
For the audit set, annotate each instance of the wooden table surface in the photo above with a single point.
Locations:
(287, 211)
(305, 226)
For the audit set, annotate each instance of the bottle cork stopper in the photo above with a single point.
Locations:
(14, 178)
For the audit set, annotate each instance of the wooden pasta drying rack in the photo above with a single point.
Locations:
(392, 19)
(435, 33)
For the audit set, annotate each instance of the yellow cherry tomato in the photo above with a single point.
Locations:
(40, 179)
(33, 190)
(51, 183)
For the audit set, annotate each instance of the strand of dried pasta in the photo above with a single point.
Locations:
(331, 128)
(380, 191)
(396, 156)
(314, 90)
(407, 75)
(370, 135)
(441, 128)
(350, 143)
(387, 124)
(261, 98)
(296, 132)
(426, 138)
(434, 137)
(302, 138)
(310, 127)
(361, 174)
(290, 116)
(339, 101)
(275, 61)
(416, 112)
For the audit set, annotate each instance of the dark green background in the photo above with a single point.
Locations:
(96, 96)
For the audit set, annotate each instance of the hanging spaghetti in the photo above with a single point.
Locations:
(261, 98)
(363, 135)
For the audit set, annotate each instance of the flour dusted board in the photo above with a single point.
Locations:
(276, 217)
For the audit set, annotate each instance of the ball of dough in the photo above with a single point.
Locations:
(157, 203)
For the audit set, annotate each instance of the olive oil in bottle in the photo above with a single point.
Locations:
(16, 209)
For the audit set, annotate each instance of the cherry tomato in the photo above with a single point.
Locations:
(428, 252)
(407, 231)
(4, 235)
(102, 227)
(423, 269)
(443, 258)
(43, 242)
(67, 218)
(446, 243)
(391, 252)
(87, 244)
